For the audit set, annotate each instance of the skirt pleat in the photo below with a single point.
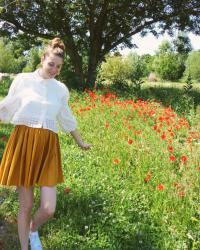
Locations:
(31, 158)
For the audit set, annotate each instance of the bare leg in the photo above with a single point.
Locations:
(47, 207)
(24, 216)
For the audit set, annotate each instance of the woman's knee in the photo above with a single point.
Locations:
(48, 211)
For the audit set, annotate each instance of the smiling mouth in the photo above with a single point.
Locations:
(52, 74)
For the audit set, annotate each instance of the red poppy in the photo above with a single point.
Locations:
(160, 187)
(183, 158)
(198, 168)
(107, 125)
(116, 161)
(181, 194)
(170, 148)
(172, 158)
(155, 127)
(130, 141)
(163, 136)
(189, 139)
(67, 190)
(170, 141)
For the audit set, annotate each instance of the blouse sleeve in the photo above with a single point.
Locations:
(66, 120)
(10, 104)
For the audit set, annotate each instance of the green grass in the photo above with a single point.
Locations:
(125, 193)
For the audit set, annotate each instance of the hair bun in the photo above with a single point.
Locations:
(57, 43)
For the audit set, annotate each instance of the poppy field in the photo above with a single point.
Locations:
(138, 186)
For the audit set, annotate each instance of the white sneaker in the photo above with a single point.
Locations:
(35, 242)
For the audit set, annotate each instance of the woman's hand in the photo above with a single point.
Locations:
(77, 138)
(85, 146)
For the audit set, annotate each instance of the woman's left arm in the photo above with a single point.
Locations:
(79, 140)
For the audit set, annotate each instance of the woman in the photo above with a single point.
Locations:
(36, 104)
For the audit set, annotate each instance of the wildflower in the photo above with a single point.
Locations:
(155, 127)
(160, 187)
(67, 190)
(170, 148)
(116, 161)
(147, 178)
(189, 139)
(130, 141)
(198, 168)
(183, 158)
(172, 158)
(177, 185)
(170, 141)
(107, 125)
(163, 137)
(3, 138)
(181, 194)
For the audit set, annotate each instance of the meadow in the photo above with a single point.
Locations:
(137, 188)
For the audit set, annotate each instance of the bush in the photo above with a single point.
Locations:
(114, 70)
(136, 67)
(5, 85)
(192, 65)
(169, 66)
(7, 60)
(147, 61)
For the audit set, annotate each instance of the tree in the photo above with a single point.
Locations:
(165, 47)
(8, 63)
(192, 65)
(182, 44)
(91, 28)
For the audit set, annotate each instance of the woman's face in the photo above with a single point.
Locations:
(51, 65)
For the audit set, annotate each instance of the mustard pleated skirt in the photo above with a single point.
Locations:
(31, 158)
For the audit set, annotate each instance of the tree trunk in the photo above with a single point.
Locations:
(92, 71)
(94, 60)
(76, 61)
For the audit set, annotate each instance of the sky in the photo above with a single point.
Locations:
(149, 44)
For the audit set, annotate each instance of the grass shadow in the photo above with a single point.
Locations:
(8, 225)
(87, 219)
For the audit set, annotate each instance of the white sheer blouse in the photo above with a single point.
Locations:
(38, 103)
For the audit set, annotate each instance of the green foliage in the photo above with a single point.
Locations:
(123, 72)
(192, 65)
(147, 62)
(188, 86)
(11, 60)
(182, 44)
(165, 47)
(68, 75)
(4, 86)
(33, 60)
(114, 70)
(169, 66)
(7, 60)
(136, 66)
